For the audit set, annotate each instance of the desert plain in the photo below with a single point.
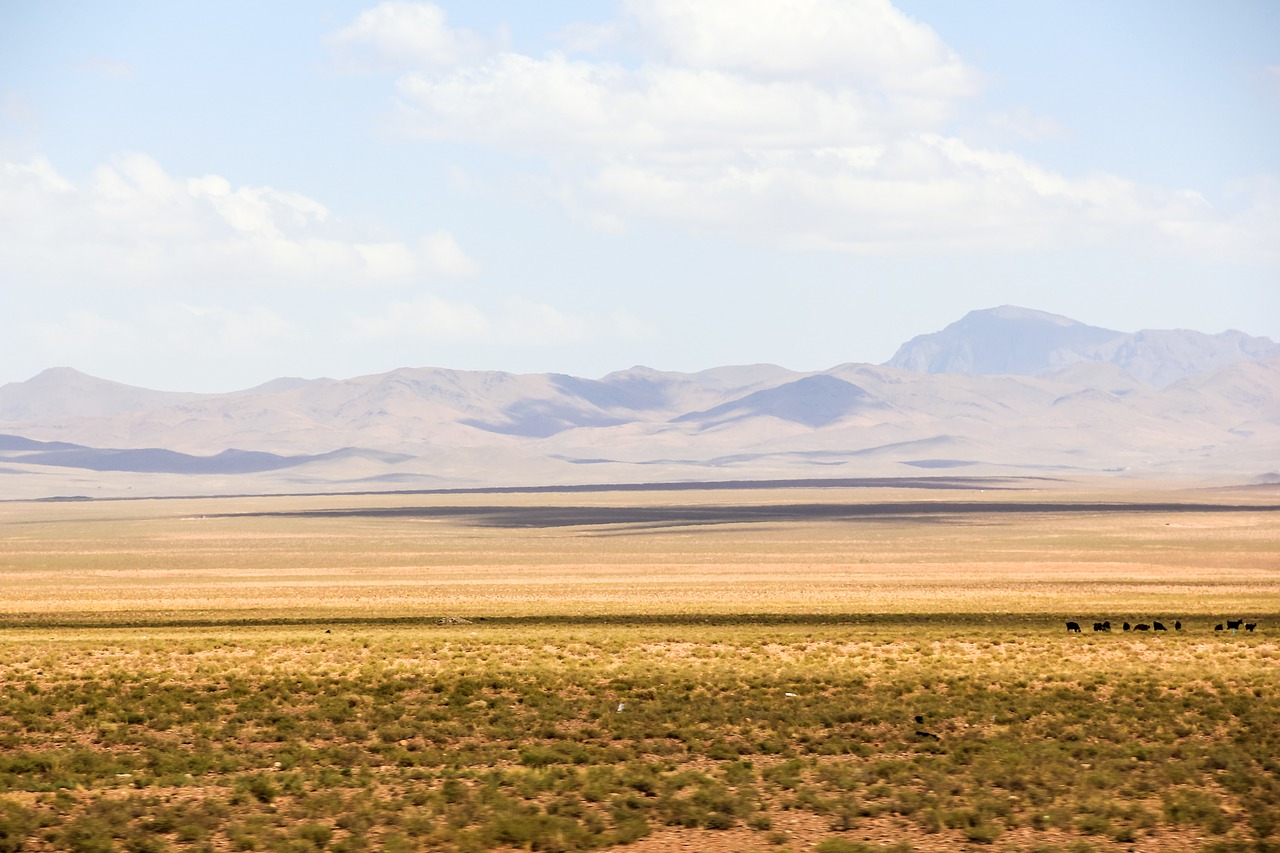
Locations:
(862, 667)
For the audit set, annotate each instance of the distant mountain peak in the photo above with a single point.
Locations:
(59, 372)
(1003, 340)
(66, 376)
(1010, 340)
(1017, 313)
(64, 392)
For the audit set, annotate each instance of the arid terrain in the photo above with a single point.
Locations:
(1004, 392)
(881, 665)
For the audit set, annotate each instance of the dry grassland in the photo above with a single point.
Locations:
(220, 559)
(711, 670)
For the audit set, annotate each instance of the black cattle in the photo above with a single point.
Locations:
(1177, 626)
(1233, 626)
(1159, 626)
(1073, 627)
(1126, 626)
(1142, 626)
(1250, 626)
(924, 734)
(1218, 627)
(1097, 626)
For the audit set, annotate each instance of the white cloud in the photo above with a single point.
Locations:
(107, 67)
(132, 223)
(447, 257)
(82, 335)
(1026, 124)
(867, 43)
(518, 322)
(399, 34)
(814, 124)
(427, 317)
(249, 331)
(564, 108)
(217, 332)
(926, 192)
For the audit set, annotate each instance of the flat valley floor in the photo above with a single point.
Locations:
(875, 666)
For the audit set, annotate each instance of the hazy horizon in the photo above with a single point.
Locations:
(1004, 345)
(208, 198)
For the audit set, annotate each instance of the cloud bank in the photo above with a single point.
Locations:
(824, 124)
(150, 263)
(133, 224)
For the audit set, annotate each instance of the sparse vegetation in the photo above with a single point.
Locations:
(382, 727)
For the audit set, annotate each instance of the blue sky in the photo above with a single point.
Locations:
(205, 197)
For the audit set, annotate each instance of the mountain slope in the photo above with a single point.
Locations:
(1022, 392)
(61, 392)
(1019, 341)
(814, 401)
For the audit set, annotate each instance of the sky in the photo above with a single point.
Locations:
(208, 196)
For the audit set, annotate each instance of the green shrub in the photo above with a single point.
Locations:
(261, 787)
(17, 823)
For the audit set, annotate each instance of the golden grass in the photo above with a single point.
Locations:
(164, 680)
(213, 558)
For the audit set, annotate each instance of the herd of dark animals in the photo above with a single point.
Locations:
(1231, 625)
(1074, 627)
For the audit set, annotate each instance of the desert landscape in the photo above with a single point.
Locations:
(709, 426)
(866, 666)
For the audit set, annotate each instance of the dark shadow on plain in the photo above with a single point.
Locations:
(518, 517)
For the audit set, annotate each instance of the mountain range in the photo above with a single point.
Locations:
(1003, 391)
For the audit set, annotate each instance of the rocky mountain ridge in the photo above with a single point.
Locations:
(1071, 407)
(1011, 340)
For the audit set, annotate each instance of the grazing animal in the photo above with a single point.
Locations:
(1073, 627)
(1233, 626)
(1097, 626)
(1250, 626)
(923, 733)
(1159, 626)
(1142, 626)
(1126, 626)
(1106, 626)
(1177, 626)
(919, 719)
(1218, 627)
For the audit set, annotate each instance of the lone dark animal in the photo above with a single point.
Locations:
(1106, 626)
(919, 719)
(1126, 626)
(922, 733)
(1250, 626)
(1232, 626)
(1177, 626)
(1218, 627)
(1142, 626)
(1073, 627)
(1159, 626)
